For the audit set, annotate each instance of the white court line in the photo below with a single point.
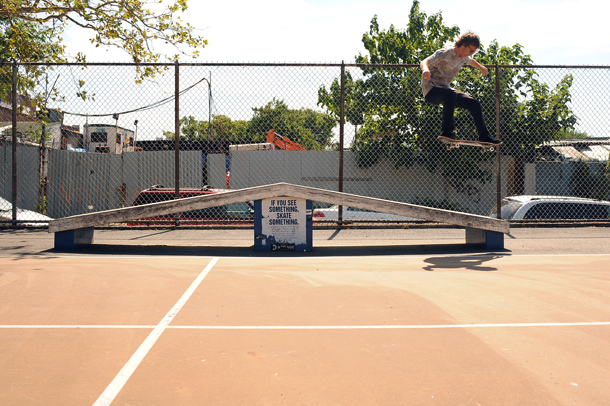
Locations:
(344, 327)
(128, 369)
(393, 327)
(74, 326)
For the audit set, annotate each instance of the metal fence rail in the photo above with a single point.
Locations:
(85, 138)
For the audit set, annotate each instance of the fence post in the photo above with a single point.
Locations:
(14, 147)
(341, 137)
(42, 191)
(177, 135)
(498, 155)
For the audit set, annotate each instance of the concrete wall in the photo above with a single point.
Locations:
(553, 178)
(320, 169)
(82, 182)
(217, 173)
(87, 182)
(28, 183)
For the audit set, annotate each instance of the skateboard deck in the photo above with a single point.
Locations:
(451, 144)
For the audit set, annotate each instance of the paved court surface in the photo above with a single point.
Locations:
(358, 242)
(371, 317)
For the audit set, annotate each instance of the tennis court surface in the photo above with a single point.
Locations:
(356, 322)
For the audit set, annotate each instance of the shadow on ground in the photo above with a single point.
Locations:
(473, 263)
(334, 251)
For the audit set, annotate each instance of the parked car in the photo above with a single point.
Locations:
(552, 208)
(237, 213)
(351, 213)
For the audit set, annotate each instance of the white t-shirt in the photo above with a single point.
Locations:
(444, 65)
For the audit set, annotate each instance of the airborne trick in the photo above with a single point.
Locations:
(453, 144)
(438, 71)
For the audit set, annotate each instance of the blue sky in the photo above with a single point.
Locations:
(553, 32)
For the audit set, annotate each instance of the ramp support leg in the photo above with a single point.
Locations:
(491, 240)
(71, 240)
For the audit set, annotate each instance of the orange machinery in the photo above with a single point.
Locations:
(283, 142)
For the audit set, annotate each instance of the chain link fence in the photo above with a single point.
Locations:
(86, 138)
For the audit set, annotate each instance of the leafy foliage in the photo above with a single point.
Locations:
(30, 31)
(590, 183)
(569, 134)
(27, 41)
(222, 128)
(307, 127)
(397, 122)
(132, 25)
(532, 112)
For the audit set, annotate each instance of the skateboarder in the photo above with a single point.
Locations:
(439, 70)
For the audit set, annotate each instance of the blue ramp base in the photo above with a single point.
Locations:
(71, 240)
(491, 240)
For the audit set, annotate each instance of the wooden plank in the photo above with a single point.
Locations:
(162, 208)
(278, 190)
(398, 208)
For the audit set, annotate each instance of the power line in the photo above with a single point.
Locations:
(148, 107)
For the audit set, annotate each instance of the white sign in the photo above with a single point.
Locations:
(284, 219)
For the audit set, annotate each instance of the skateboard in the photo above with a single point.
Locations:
(451, 144)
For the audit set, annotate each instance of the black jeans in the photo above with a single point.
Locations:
(450, 99)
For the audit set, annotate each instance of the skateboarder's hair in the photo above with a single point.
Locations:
(468, 38)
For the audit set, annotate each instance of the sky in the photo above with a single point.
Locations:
(569, 32)
(553, 32)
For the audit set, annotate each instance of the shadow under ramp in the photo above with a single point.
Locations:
(324, 251)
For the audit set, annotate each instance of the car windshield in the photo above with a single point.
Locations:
(509, 208)
(146, 198)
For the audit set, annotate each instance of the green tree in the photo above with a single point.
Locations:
(307, 127)
(589, 183)
(569, 134)
(397, 121)
(131, 25)
(31, 31)
(27, 42)
(388, 101)
(354, 102)
(222, 128)
(531, 111)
